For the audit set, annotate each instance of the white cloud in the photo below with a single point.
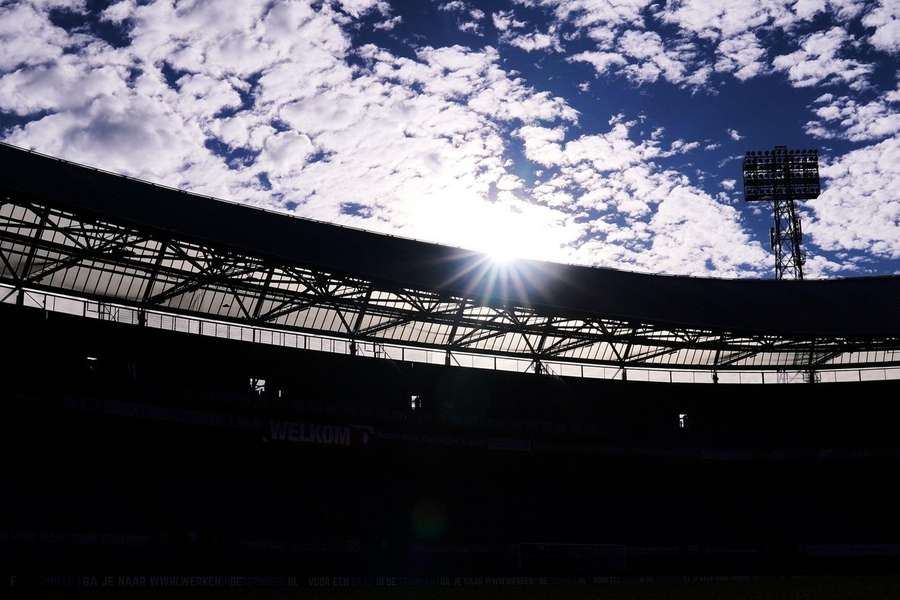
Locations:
(726, 37)
(71, 5)
(505, 20)
(469, 16)
(742, 55)
(388, 24)
(817, 61)
(846, 118)
(420, 142)
(860, 209)
(462, 7)
(655, 59)
(649, 218)
(417, 141)
(454, 5)
(66, 83)
(119, 11)
(585, 13)
(734, 134)
(533, 41)
(542, 144)
(727, 19)
(133, 135)
(681, 147)
(601, 61)
(284, 151)
(358, 8)
(729, 159)
(27, 37)
(819, 266)
(470, 27)
(885, 18)
(644, 57)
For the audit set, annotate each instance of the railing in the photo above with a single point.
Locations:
(323, 343)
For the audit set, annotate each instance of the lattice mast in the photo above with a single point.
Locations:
(782, 177)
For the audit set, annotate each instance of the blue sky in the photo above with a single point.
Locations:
(600, 132)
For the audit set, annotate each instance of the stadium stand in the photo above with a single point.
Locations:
(134, 446)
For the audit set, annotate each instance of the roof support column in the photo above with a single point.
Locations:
(151, 281)
(39, 232)
(538, 364)
(715, 373)
(625, 358)
(452, 338)
(18, 282)
(811, 371)
(357, 324)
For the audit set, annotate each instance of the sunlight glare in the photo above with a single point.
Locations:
(504, 230)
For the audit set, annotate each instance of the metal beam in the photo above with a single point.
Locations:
(257, 281)
(9, 266)
(100, 253)
(262, 295)
(151, 281)
(451, 339)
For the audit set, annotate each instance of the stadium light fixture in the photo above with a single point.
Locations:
(782, 176)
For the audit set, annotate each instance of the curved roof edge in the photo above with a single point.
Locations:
(854, 307)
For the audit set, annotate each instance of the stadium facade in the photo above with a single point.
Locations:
(192, 383)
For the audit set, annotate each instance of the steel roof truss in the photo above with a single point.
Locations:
(266, 290)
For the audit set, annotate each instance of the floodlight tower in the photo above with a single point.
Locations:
(782, 176)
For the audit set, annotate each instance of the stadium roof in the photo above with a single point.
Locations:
(538, 297)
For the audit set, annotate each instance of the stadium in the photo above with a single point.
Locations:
(196, 385)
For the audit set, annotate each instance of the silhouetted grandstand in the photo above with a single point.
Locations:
(194, 385)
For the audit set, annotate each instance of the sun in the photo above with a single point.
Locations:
(499, 253)
(504, 231)
(502, 235)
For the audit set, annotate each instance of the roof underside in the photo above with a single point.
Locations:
(74, 230)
